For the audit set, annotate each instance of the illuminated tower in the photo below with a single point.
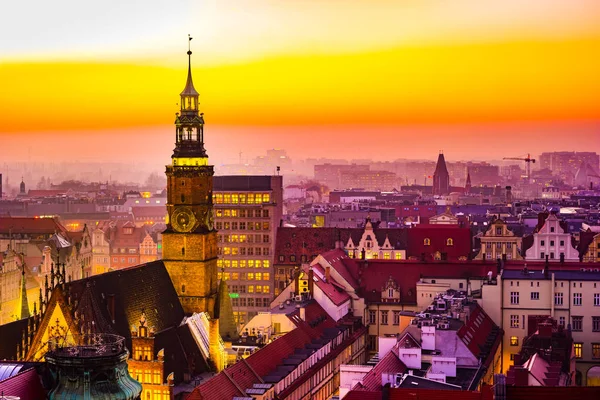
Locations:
(190, 241)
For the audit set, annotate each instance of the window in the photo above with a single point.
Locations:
(449, 242)
(576, 299)
(542, 255)
(577, 324)
(535, 295)
(396, 317)
(384, 317)
(595, 350)
(578, 349)
(552, 243)
(514, 341)
(597, 299)
(558, 299)
(514, 321)
(542, 242)
(514, 297)
(498, 231)
(157, 378)
(426, 242)
(562, 243)
(512, 357)
(372, 317)
(561, 321)
(595, 324)
(551, 229)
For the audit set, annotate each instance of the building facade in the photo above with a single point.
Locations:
(526, 296)
(499, 242)
(248, 211)
(552, 241)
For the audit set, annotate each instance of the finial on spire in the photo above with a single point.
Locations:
(189, 45)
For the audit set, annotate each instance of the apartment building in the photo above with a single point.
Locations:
(521, 298)
(499, 242)
(248, 211)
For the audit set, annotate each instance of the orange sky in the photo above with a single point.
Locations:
(455, 71)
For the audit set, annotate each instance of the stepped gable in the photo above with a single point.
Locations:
(10, 338)
(314, 241)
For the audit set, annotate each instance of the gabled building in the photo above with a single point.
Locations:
(553, 241)
(499, 242)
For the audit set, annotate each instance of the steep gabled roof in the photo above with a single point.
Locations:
(390, 363)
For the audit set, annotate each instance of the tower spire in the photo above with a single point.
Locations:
(23, 304)
(189, 89)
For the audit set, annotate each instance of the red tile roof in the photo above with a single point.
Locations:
(390, 363)
(476, 332)
(432, 394)
(438, 236)
(38, 226)
(330, 288)
(25, 385)
(234, 380)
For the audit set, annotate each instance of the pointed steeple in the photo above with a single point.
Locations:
(189, 89)
(441, 177)
(23, 304)
(189, 122)
(468, 183)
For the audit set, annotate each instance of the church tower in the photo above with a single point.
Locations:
(441, 177)
(190, 240)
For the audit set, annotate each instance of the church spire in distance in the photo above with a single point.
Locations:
(189, 140)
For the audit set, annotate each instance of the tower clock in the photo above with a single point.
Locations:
(189, 242)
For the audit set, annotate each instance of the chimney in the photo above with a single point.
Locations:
(110, 304)
(545, 330)
(509, 198)
(327, 274)
(310, 282)
(297, 282)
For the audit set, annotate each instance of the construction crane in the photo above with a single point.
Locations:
(528, 160)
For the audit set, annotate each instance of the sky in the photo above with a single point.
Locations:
(329, 78)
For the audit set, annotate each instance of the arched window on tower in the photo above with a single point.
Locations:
(427, 242)
(182, 288)
(183, 198)
(449, 242)
(183, 251)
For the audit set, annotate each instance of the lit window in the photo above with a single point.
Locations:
(398, 256)
(514, 341)
(449, 242)
(427, 242)
(578, 347)
(596, 350)
(514, 321)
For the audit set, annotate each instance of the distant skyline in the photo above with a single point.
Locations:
(363, 79)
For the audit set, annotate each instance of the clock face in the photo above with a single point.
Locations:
(183, 220)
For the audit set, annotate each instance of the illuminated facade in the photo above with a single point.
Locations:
(248, 210)
(190, 240)
(146, 365)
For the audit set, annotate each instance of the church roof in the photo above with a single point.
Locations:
(440, 167)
